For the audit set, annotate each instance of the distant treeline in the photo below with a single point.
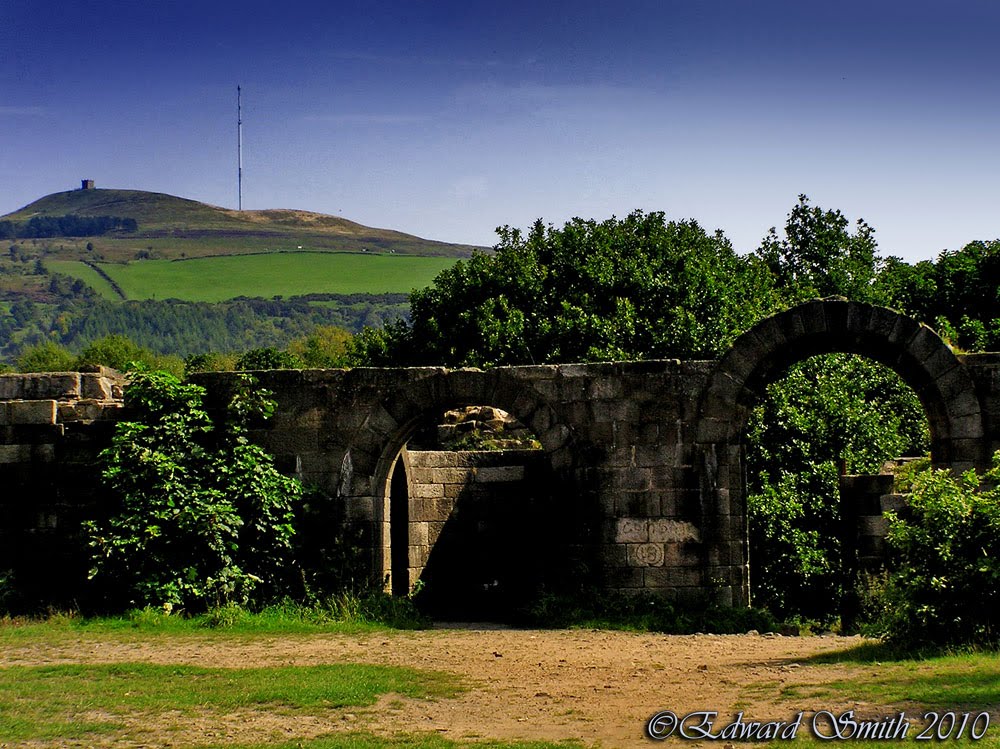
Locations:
(186, 328)
(70, 225)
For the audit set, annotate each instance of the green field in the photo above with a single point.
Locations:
(287, 274)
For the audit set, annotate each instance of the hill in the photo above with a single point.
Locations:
(170, 227)
(193, 277)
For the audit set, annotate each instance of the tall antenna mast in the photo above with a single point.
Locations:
(239, 148)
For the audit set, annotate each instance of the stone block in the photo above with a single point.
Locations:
(637, 504)
(43, 453)
(379, 421)
(97, 387)
(28, 412)
(630, 479)
(430, 510)
(605, 388)
(555, 437)
(499, 474)
(632, 530)
(55, 386)
(359, 508)
(967, 427)
(813, 317)
(614, 555)
(894, 502)
(418, 535)
(454, 491)
(873, 525)
(434, 531)
(418, 555)
(645, 555)
(624, 578)
(454, 475)
(15, 453)
(422, 490)
(904, 331)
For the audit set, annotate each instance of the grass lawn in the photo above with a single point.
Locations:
(215, 279)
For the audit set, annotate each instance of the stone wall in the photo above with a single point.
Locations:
(643, 460)
(52, 426)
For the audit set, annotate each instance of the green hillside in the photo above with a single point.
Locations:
(172, 227)
(215, 279)
(191, 277)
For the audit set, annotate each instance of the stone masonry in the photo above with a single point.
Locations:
(643, 460)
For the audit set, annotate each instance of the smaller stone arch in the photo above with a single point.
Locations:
(420, 394)
(911, 349)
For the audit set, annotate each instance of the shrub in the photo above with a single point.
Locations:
(945, 584)
(202, 516)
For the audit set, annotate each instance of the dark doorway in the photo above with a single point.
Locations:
(399, 523)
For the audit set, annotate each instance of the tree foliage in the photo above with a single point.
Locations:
(945, 585)
(634, 288)
(829, 414)
(70, 225)
(819, 256)
(203, 518)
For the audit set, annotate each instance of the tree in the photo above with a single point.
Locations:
(202, 517)
(820, 257)
(47, 356)
(944, 587)
(634, 288)
(830, 413)
(121, 353)
(325, 346)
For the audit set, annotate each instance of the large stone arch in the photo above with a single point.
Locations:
(392, 419)
(761, 355)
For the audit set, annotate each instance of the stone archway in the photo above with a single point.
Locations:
(392, 420)
(761, 355)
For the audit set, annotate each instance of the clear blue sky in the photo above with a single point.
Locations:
(447, 119)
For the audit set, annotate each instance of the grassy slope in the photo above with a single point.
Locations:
(214, 279)
(177, 227)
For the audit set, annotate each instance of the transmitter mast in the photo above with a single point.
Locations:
(239, 149)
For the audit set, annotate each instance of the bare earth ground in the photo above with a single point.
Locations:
(598, 687)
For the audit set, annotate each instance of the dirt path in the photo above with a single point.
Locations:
(597, 687)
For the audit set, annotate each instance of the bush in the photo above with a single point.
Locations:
(203, 518)
(945, 584)
(46, 357)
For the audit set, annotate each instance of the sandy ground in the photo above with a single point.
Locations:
(594, 686)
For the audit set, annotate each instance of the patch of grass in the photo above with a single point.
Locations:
(40, 702)
(968, 680)
(345, 613)
(215, 279)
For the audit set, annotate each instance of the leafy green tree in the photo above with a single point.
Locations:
(945, 585)
(634, 288)
(325, 346)
(202, 517)
(958, 294)
(211, 362)
(46, 357)
(829, 414)
(121, 353)
(819, 256)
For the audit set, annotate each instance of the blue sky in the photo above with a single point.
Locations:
(448, 119)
